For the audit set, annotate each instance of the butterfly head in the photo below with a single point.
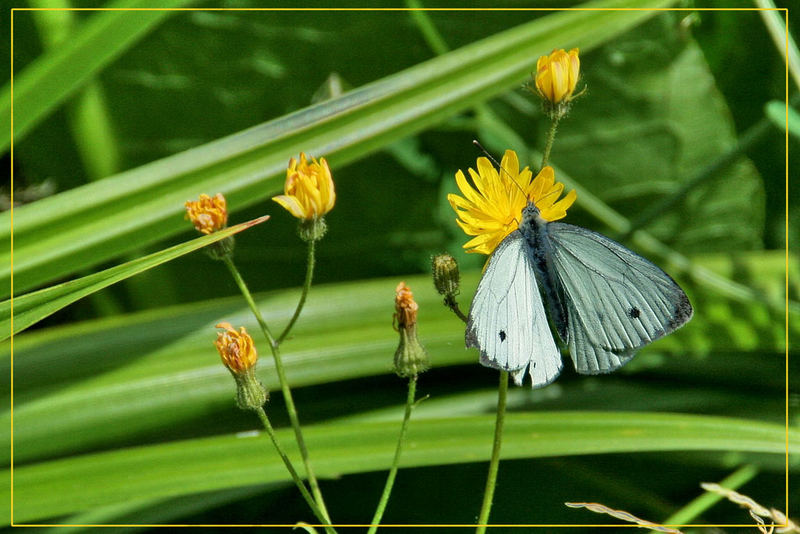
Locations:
(531, 216)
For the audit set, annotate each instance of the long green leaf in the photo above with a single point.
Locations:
(47, 490)
(68, 400)
(87, 225)
(50, 80)
(33, 307)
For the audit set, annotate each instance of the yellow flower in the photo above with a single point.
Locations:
(208, 214)
(557, 75)
(493, 207)
(308, 192)
(237, 350)
(238, 353)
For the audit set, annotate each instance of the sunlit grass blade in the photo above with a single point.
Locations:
(783, 117)
(54, 77)
(46, 490)
(33, 307)
(87, 225)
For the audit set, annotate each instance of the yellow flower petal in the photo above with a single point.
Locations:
(308, 190)
(491, 208)
(557, 75)
(291, 205)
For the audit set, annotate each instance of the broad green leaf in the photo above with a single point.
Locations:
(54, 77)
(84, 226)
(33, 307)
(657, 141)
(47, 489)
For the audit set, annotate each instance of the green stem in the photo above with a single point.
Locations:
(494, 463)
(551, 135)
(297, 480)
(287, 393)
(451, 303)
(387, 489)
(304, 294)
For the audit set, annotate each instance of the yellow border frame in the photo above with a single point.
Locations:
(455, 525)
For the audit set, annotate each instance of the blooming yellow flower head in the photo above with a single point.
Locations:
(557, 75)
(208, 214)
(308, 191)
(492, 208)
(237, 350)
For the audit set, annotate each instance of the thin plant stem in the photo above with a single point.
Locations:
(287, 393)
(451, 303)
(306, 286)
(288, 463)
(494, 463)
(551, 135)
(387, 489)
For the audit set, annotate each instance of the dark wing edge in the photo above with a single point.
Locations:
(592, 270)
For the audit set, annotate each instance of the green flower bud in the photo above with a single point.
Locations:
(445, 275)
(410, 358)
(238, 353)
(312, 229)
(221, 249)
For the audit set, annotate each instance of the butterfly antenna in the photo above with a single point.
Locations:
(493, 160)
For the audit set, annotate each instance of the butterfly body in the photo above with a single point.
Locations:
(604, 302)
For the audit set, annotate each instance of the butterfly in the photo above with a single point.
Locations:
(605, 302)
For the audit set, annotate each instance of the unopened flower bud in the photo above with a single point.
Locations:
(555, 79)
(238, 353)
(445, 275)
(410, 358)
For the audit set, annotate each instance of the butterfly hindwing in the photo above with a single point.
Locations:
(616, 300)
(507, 321)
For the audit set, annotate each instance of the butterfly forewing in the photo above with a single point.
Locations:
(507, 321)
(616, 300)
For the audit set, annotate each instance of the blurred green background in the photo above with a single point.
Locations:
(131, 369)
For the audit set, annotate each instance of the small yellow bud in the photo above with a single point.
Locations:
(308, 195)
(238, 353)
(410, 358)
(209, 215)
(446, 278)
(556, 78)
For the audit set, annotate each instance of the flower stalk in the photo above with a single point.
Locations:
(387, 489)
(410, 359)
(494, 462)
(285, 390)
(548, 143)
(262, 415)
(239, 355)
(310, 262)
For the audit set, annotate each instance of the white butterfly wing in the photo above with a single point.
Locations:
(616, 300)
(507, 321)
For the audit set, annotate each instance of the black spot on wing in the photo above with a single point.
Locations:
(502, 336)
(634, 313)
